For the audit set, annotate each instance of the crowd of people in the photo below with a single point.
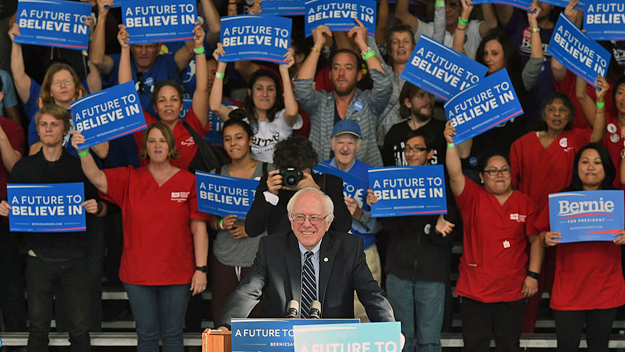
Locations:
(338, 100)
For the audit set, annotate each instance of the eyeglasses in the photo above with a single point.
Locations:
(141, 83)
(505, 171)
(67, 82)
(301, 218)
(414, 149)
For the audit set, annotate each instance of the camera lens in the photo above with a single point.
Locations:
(291, 181)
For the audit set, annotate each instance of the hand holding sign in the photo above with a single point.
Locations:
(602, 88)
(103, 7)
(619, 238)
(122, 36)
(532, 14)
(359, 34)
(4, 208)
(552, 238)
(319, 36)
(198, 35)
(14, 31)
(572, 13)
(256, 9)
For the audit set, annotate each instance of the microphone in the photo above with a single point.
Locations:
(292, 309)
(315, 310)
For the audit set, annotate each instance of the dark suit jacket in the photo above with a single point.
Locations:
(263, 215)
(276, 273)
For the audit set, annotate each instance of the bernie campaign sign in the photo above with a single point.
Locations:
(224, 195)
(339, 15)
(54, 23)
(441, 71)
(370, 337)
(408, 190)
(578, 53)
(108, 114)
(271, 335)
(586, 215)
(255, 37)
(483, 106)
(156, 21)
(605, 19)
(51, 207)
(284, 7)
(353, 187)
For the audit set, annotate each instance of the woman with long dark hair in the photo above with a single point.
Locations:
(272, 118)
(589, 285)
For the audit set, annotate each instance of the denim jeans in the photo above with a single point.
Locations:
(419, 304)
(159, 309)
(41, 278)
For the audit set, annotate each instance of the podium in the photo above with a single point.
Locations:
(216, 341)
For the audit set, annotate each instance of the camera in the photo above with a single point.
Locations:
(291, 176)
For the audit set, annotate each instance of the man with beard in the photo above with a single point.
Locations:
(417, 107)
(345, 102)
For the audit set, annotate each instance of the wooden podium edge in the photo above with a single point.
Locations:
(216, 341)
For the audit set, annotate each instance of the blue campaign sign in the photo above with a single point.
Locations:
(156, 21)
(586, 215)
(353, 187)
(255, 37)
(521, 4)
(53, 23)
(108, 114)
(440, 70)
(483, 106)
(581, 6)
(224, 195)
(339, 15)
(408, 190)
(284, 7)
(605, 19)
(578, 53)
(271, 335)
(370, 337)
(51, 207)
(119, 3)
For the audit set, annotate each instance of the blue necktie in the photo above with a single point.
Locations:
(309, 284)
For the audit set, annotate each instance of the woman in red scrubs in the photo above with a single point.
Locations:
(165, 237)
(496, 274)
(589, 285)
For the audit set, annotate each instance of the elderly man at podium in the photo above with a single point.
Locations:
(309, 265)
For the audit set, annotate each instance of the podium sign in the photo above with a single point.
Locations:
(272, 335)
(370, 337)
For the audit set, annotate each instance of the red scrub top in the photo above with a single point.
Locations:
(494, 262)
(613, 142)
(158, 243)
(185, 144)
(588, 274)
(537, 171)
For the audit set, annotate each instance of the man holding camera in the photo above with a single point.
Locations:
(294, 159)
(345, 142)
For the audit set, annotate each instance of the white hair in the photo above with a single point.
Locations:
(329, 205)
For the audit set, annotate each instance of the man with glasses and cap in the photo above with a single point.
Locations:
(309, 263)
(346, 141)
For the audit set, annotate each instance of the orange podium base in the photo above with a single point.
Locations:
(216, 341)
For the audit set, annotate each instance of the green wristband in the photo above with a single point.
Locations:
(451, 145)
(461, 21)
(83, 153)
(439, 3)
(601, 105)
(369, 55)
(220, 75)
(198, 51)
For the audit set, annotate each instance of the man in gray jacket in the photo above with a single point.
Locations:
(346, 101)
